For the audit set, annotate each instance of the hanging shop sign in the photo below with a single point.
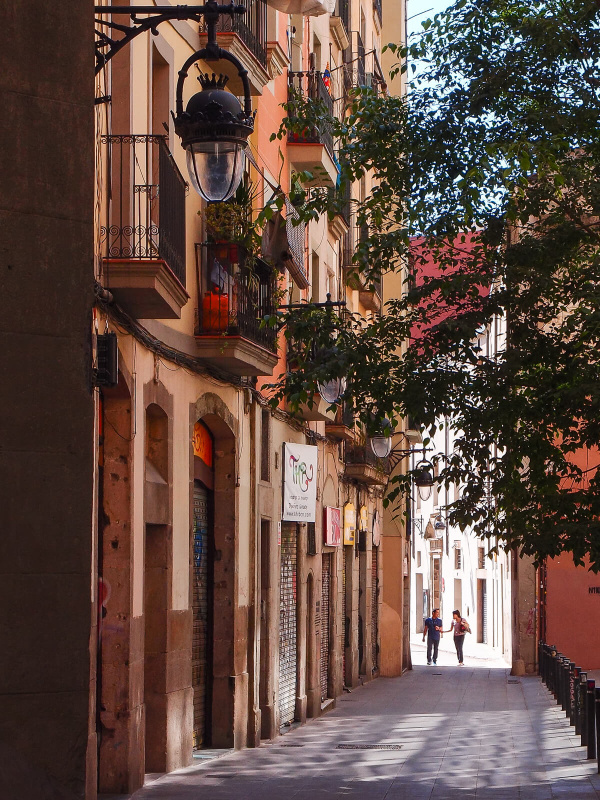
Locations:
(203, 444)
(363, 518)
(299, 482)
(349, 523)
(376, 529)
(332, 526)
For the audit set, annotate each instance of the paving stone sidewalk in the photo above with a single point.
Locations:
(437, 733)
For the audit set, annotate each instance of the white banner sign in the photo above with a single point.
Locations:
(299, 482)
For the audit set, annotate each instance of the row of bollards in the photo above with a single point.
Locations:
(575, 693)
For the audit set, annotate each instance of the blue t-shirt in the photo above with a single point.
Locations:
(434, 626)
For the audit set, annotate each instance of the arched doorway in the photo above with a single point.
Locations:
(224, 629)
(202, 582)
(157, 584)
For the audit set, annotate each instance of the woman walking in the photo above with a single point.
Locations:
(459, 626)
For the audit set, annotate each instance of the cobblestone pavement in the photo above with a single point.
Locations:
(437, 733)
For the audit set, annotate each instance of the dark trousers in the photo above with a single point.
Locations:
(432, 644)
(458, 643)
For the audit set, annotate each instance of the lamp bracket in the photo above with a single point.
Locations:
(329, 304)
(108, 45)
(398, 453)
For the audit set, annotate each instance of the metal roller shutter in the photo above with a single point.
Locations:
(345, 627)
(200, 611)
(325, 586)
(484, 611)
(287, 625)
(374, 608)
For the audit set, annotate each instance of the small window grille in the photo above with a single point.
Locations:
(265, 446)
(311, 539)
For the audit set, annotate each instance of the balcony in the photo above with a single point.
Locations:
(318, 409)
(236, 293)
(378, 11)
(369, 289)
(339, 24)
(342, 427)
(363, 465)
(143, 241)
(340, 202)
(312, 149)
(245, 36)
(355, 63)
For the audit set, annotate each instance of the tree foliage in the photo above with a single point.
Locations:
(492, 163)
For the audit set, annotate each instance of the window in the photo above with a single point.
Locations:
(457, 557)
(419, 559)
(480, 558)
(265, 446)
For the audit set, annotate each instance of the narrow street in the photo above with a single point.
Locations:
(436, 733)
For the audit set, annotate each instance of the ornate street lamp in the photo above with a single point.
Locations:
(332, 390)
(213, 128)
(381, 442)
(424, 479)
(381, 445)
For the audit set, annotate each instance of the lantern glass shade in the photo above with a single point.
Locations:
(332, 390)
(215, 168)
(381, 445)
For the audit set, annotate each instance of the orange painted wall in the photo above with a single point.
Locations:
(572, 612)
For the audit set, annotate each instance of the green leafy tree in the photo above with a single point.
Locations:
(493, 162)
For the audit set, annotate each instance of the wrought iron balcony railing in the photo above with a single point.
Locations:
(311, 86)
(236, 294)
(363, 454)
(251, 27)
(146, 208)
(355, 62)
(342, 200)
(378, 9)
(342, 10)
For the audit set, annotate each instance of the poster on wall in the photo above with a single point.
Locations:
(299, 482)
(349, 523)
(332, 526)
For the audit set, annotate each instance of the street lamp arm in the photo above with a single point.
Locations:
(398, 453)
(107, 47)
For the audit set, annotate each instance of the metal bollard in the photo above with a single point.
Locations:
(565, 676)
(583, 708)
(576, 687)
(571, 697)
(551, 665)
(591, 719)
(558, 680)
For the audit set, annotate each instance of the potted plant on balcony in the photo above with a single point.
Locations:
(233, 240)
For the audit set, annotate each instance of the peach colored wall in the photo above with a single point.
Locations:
(572, 611)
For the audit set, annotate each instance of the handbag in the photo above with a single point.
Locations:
(464, 626)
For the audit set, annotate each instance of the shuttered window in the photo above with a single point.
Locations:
(325, 595)
(375, 608)
(200, 598)
(287, 624)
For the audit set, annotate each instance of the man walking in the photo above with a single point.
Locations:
(433, 628)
